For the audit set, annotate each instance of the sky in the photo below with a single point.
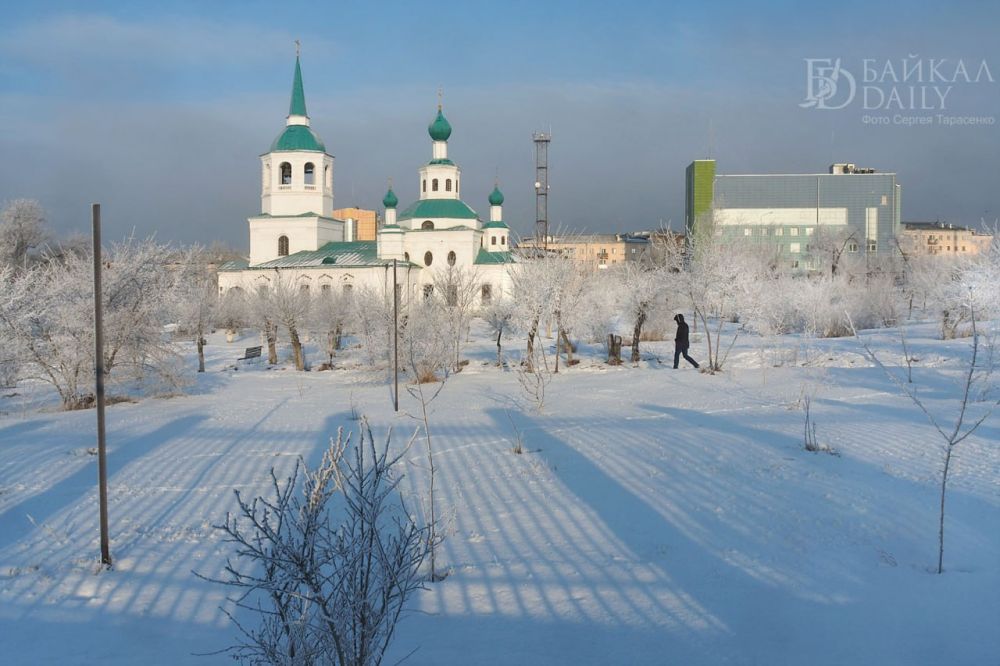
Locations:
(159, 111)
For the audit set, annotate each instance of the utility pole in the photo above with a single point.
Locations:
(542, 140)
(102, 467)
(395, 337)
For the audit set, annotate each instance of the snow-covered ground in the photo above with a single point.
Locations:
(658, 516)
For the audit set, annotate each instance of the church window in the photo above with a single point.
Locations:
(451, 258)
(428, 291)
(406, 256)
(447, 185)
(325, 289)
(493, 240)
(503, 241)
(487, 293)
(427, 224)
(423, 185)
(304, 289)
(434, 185)
(326, 176)
(283, 246)
(456, 186)
(428, 258)
(310, 174)
(348, 288)
(286, 173)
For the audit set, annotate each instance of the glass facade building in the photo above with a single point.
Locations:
(860, 207)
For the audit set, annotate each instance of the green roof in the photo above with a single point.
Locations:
(356, 253)
(442, 160)
(298, 137)
(234, 265)
(495, 225)
(485, 257)
(298, 105)
(438, 208)
(440, 128)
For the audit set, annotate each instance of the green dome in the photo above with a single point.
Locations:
(496, 196)
(298, 137)
(390, 200)
(440, 129)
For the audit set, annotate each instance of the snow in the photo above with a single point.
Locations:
(657, 516)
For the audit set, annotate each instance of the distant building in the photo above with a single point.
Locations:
(598, 250)
(785, 210)
(364, 222)
(941, 238)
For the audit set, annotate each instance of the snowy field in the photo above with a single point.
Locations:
(658, 516)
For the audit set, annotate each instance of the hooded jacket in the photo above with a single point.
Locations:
(681, 339)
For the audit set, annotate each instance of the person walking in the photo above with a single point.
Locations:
(681, 342)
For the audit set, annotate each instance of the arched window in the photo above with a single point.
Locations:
(451, 258)
(310, 174)
(503, 240)
(327, 178)
(456, 186)
(423, 185)
(304, 289)
(406, 256)
(493, 240)
(428, 258)
(282, 246)
(447, 185)
(426, 224)
(434, 185)
(286, 173)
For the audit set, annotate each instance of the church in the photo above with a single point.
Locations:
(296, 237)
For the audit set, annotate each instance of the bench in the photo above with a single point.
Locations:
(251, 352)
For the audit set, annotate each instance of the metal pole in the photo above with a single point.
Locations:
(102, 467)
(395, 337)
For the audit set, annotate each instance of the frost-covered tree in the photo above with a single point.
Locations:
(498, 316)
(330, 314)
(49, 312)
(329, 561)
(289, 304)
(458, 288)
(261, 312)
(22, 229)
(531, 291)
(232, 311)
(371, 320)
(197, 297)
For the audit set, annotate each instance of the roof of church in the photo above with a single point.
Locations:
(485, 257)
(235, 265)
(435, 208)
(298, 137)
(440, 128)
(496, 225)
(355, 253)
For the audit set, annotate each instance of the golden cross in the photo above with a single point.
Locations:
(440, 95)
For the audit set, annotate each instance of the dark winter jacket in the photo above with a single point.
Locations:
(681, 339)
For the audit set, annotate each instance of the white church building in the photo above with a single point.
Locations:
(296, 237)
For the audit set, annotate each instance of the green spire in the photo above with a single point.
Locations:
(298, 105)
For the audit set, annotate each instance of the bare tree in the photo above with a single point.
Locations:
(976, 379)
(329, 562)
(22, 230)
(329, 315)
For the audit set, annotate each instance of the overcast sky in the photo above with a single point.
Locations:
(160, 111)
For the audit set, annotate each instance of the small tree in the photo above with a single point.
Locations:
(977, 378)
(329, 314)
(459, 289)
(198, 298)
(498, 315)
(329, 562)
